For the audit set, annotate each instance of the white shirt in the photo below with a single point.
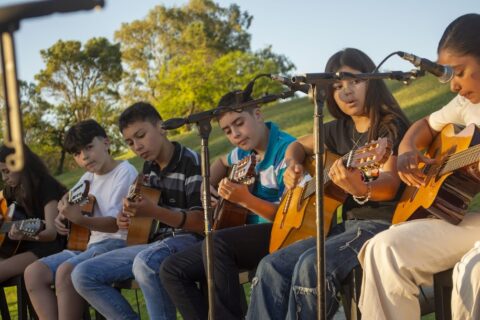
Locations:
(109, 190)
(458, 111)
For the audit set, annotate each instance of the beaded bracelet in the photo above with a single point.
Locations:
(364, 199)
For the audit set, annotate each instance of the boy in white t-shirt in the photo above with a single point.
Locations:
(109, 183)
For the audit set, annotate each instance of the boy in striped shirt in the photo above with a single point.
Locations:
(175, 171)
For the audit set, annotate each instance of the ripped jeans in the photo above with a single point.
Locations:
(285, 283)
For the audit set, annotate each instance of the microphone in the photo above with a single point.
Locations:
(293, 86)
(442, 72)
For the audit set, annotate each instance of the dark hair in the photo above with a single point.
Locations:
(140, 111)
(380, 105)
(237, 97)
(81, 134)
(31, 177)
(462, 36)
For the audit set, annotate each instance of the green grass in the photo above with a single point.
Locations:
(295, 116)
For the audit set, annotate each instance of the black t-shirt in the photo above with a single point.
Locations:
(49, 189)
(341, 136)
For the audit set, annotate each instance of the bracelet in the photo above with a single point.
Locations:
(184, 219)
(364, 199)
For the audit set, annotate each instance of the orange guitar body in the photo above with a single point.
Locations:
(3, 212)
(140, 228)
(79, 236)
(444, 196)
(296, 217)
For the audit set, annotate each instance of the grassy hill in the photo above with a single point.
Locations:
(418, 99)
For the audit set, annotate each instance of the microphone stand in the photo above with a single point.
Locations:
(202, 121)
(10, 17)
(318, 82)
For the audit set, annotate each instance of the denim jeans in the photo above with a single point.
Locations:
(76, 257)
(235, 249)
(285, 282)
(93, 279)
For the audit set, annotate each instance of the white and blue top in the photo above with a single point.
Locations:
(269, 181)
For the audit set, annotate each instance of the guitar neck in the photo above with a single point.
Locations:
(310, 185)
(461, 159)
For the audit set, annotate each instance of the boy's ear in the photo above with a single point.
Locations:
(106, 142)
(160, 128)
(257, 113)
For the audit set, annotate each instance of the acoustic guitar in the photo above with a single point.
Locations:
(296, 214)
(140, 228)
(228, 214)
(79, 236)
(12, 215)
(449, 186)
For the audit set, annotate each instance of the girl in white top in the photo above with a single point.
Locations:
(407, 255)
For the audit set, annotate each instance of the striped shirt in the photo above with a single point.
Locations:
(269, 181)
(179, 182)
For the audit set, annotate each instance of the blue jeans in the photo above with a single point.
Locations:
(76, 257)
(285, 283)
(93, 279)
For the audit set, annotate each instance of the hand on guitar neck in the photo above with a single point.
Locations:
(293, 175)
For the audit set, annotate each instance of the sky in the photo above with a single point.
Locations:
(308, 32)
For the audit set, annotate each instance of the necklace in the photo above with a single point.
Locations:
(356, 141)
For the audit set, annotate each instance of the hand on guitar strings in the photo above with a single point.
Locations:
(234, 192)
(15, 234)
(123, 220)
(349, 179)
(293, 174)
(410, 165)
(71, 212)
(141, 206)
(60, 225)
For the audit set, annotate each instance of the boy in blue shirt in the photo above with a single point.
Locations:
(240, 247)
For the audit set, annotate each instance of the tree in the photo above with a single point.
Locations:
(184, 58)
(80, 83)
(166, 33)
(196, 82)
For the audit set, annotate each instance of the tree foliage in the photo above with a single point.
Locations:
(78, 83)
(184, 58)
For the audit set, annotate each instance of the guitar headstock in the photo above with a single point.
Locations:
(79, 193)
(30, 227)
(244, 171)
(134, 190)
(371, 156)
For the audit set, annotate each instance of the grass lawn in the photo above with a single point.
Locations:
(295, 116)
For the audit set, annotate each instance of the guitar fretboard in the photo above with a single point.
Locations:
(461, 159)
(310, 185)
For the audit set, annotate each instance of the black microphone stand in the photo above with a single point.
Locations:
(10, 17)
(318, 82)
(202, 122)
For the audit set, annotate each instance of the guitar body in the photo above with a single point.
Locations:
(79, 236)
(8, 247)
(140, 228)
(228, 214)
(444, 196)
(296, 216)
